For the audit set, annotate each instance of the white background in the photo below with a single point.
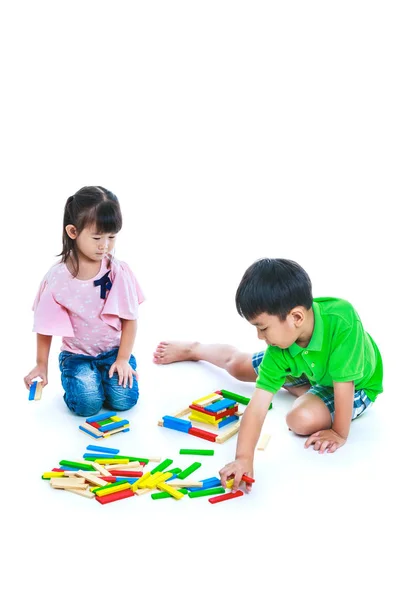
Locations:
(229, 131)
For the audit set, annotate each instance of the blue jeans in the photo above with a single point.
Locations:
(88, 386)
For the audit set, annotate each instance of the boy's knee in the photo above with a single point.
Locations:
(301, 421)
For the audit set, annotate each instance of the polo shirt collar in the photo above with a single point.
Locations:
(315, 344)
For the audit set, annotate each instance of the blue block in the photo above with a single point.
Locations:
(32, 390)
(228, 420)
(90, 432)
(178, 424)
(115, 425)
(220, 405)
(101, 449)
(101, 417)
(128, 479)
(70, 468)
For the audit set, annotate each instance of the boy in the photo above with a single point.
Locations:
(317, 350)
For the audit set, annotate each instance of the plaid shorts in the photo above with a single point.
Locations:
(361, 400)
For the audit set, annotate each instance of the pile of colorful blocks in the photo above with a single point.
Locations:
(107, 476)
(104, 425)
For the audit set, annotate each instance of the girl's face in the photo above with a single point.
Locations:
(91, 244)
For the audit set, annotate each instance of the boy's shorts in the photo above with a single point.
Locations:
(361, 400)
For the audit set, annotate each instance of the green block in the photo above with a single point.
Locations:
(199, 452)
(111, 456)
(174, 471)
(209, 492)
(238, 398)
(162, 466)
(105, 422)
(160, 495)
(109, 485)
(76, 465)
(189, 470)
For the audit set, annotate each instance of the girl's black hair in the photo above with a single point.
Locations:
(273, 286)
(91, 205)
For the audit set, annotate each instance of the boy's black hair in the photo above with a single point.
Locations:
(91, 205)
(273, 286)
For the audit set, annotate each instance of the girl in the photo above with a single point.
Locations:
(91, 300)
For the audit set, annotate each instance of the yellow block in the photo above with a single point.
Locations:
(115, 419)
(203, 418)
(50, 474)
(171, 491)
(229, 483)
(140, 481)
(117, 488)
(209, 398)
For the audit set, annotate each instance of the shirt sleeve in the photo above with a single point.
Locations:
(346, 362)
(124, 297)
(272, 371)
(50, 318)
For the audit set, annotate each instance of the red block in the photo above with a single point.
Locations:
(56, 470)
(115, 496)
(96, 425)
(202, 433)
(218, 415)
(108, 478)
(120, 472)
(223, 497)
(248, 479)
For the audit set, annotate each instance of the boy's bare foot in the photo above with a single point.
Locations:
(168, 352)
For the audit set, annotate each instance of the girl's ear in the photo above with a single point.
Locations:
(71, 232)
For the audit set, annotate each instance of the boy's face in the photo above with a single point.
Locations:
(276, 332)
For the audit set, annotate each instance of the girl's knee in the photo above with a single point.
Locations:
(83, 407)
(120, 398)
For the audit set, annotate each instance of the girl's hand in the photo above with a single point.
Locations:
(38, 371)
(326, 439)
(237, 469)
(124, 371)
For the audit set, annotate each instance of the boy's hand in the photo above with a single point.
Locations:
(237, 469)
(38, 371)
(326, 439)
(124, 371)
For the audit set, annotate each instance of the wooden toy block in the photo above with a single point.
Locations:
(185, 484)
(102, 470)
(108, 434)
(141, 481)
(170, 490)
(160, 495)
(143, 491)
(207, 492)
(77, 465)
(102, 449)
(229, 483)
(38, 391)
(91, 430)
(50, 474)
(195, 452)
(186, 472)
(221, 438)
(128, 473)
(263, 441)
(248, 479)
(130, 465)
(111, 461)
(32, 390)
(221, 405)
(115, 496)
(219, 415)
(229, 496)
(211, 482)
(177, 424)
(117, 488)
(89, 477)
(68, 482)
(236, 397)
(157, 478)
(96, 437)
(208, 399)
(111, 426)
(203, 418)
(101, 417)
(164, 465)
(84, 493)
(202, 433)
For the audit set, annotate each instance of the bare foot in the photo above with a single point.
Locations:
(168, 352)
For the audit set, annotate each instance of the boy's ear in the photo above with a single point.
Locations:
(298, 315)
(71, 232)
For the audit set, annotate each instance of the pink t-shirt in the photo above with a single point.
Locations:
(73, 308)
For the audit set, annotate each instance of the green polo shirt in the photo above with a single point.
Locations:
(339, 350)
